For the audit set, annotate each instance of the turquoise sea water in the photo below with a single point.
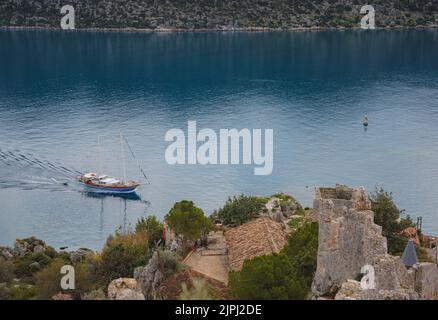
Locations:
(60, 91)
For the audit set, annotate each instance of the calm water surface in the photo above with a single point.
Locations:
(60, 91)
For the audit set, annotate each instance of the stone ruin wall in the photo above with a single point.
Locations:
(348, 240)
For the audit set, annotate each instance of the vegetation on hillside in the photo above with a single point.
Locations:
(286, 275)
(392, 221)
(218, 14)
(187, 220)
(238, 210)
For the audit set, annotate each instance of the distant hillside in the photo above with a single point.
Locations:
(218, 14)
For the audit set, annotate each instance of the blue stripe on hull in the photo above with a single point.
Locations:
(111, 190)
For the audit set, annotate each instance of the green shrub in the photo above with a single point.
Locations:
(283, 196)
(48, 280)
(121, 254)
(188, 220)
(302, 249)
(422, 255)
(267, 278)
(286, 275)
(152, 227)
(199, 290)
(97, 294)
(387, 215)
(25, 266)
(238, 210)
(21, 292)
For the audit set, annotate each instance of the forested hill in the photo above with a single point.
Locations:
(218, 14)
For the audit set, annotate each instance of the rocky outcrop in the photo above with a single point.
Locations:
(124, 289)
(7, 253)
(162, 265)
(351, 290)
(80, 254)
(349, 240)
(282, 207)
(426, 280)
(29, 245)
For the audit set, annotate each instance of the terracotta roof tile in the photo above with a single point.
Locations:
(262, 236)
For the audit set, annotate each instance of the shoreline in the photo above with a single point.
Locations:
(180, 30)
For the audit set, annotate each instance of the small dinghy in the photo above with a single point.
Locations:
(104, 183)
(365, 120)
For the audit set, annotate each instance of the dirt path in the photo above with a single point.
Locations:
(213, 260)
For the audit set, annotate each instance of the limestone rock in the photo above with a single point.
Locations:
(29, 245)
(284, 208)
(351, 290)
(150, 277)
(62, 296)
(6, 253)
(426, 280)
(124, 289)
(39, 249)
(20, 248)
(80, 254)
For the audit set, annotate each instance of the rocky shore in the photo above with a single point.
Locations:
(314, 253)
(218, 15)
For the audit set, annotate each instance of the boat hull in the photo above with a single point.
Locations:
(110, 189)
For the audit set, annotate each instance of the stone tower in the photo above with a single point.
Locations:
(348, 237)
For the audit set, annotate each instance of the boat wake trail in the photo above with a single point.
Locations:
(25, 171)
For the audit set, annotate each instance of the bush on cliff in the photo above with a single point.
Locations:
(152, 227)
(48, 280)
(302, 249)
(21, 291)
(121, 254)
(199, 290)
(387, 215)
(267, 278)
(238, 210)
(187, 220)
(27, 265)
(286, 275)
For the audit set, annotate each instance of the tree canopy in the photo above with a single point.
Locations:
(188, 220)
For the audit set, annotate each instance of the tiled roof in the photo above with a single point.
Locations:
(262, 236)
(171, 288)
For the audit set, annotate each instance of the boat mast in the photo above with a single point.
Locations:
(123, 156)
(99, 151)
